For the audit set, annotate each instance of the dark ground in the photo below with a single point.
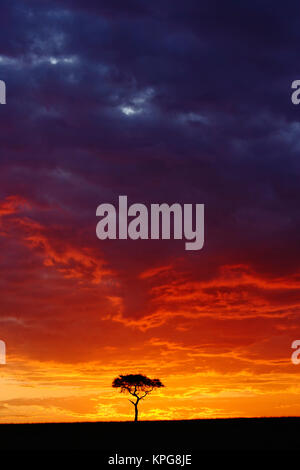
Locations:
(194, 436)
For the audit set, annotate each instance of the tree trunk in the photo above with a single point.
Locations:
(136, 412)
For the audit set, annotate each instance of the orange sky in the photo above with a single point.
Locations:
(73, 318)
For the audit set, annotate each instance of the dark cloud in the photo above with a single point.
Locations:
(163, 101)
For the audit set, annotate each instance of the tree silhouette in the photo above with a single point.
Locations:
(139, 386)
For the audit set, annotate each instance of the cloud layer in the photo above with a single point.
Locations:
(163, 102)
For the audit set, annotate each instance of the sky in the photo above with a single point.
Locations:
(162, 101)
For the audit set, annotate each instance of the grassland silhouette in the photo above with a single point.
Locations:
(185, 436)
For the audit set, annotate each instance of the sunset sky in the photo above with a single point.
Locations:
(162, 101)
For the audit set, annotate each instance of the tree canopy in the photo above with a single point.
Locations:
(136, 383)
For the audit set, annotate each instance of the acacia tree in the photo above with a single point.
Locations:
(139, 386)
